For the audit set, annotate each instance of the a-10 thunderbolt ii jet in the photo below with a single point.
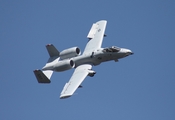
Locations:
(93, 55)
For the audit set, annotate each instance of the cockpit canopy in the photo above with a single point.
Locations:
(112, 49)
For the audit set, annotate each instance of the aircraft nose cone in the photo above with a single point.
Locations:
(128, 52)
(131, 53)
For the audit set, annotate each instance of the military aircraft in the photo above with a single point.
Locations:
(70, 58)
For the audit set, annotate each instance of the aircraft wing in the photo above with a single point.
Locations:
(95, 36)
(75, 81)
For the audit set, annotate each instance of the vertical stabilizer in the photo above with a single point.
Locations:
(53, 53)
(43, 77)
(52, 50)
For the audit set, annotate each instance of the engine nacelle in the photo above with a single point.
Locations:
(64, 65)
(69, 53)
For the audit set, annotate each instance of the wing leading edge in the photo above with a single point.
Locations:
(95, 36)
(75, 81)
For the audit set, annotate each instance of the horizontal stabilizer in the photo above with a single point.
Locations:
(43, 77)
(52, 50)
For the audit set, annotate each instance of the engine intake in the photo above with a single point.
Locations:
(64, 65)
(69, 53)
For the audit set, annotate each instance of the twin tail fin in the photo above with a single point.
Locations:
(45, 75)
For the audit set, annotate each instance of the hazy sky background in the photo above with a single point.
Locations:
(138, 87)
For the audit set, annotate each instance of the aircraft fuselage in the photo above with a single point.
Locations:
(99, 56)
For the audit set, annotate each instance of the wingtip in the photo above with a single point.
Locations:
(36, 70)
(102, 21)
(48, 45)
(65, 96)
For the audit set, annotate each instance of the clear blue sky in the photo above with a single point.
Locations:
(139, 87)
